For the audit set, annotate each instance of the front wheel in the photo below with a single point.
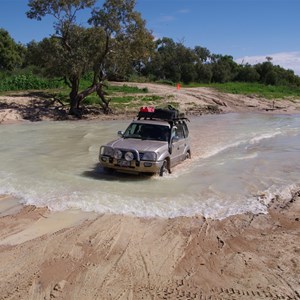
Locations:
(188, 155)
(164, 170)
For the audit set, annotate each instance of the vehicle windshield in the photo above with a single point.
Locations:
(147, 132)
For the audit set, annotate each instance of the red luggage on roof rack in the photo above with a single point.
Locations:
(150, 109)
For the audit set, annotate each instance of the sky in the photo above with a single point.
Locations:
(248, 30)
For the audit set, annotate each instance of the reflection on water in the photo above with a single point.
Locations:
(239, 162)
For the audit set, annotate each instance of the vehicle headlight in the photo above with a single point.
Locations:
(107, 151)
(129, 156)
(150, 156)
(118, 154)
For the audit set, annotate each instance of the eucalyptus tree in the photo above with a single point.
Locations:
(224, 68)
(203, 67)
(11, 53)
(116, 30)
(247, 73)
(172, 61)
(127, 41)
(202, 53)
(164, 62)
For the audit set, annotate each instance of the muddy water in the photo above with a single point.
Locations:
(239, 162)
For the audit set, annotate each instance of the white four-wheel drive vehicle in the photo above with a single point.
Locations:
(153, 143)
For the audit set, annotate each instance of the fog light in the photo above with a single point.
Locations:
(148, 164)
(118, 154)
(104, 159)
(129, 156)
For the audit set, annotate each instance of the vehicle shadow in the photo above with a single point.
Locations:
(99, 173)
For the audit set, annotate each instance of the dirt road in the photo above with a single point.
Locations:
(191, 99)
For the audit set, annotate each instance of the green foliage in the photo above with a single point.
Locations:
(224, 69)
(124, 99)
(138, 78)
(27, 82)
(91, 100)
(204, 73)
(116, 41)
(151, 99)
(125, 89)
(11, 53)
(171, 61)
(258, 89)
(247, 74)
(176, 63)
(165, 81)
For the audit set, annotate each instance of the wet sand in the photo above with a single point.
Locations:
(76, 255)
(72, 255)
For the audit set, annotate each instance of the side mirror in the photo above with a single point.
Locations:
(120, 133)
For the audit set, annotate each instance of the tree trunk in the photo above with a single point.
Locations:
(104, 103)
(76, 98)
(74, 101)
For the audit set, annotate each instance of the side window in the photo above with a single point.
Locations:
(179, 131)
(138, 129)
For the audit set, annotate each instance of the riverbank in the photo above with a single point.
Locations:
(30, 106)
(77, 255)
(72, 255)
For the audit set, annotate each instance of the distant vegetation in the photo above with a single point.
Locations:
(257, 89)
(27, 82)
(173, 62)
(76, 61)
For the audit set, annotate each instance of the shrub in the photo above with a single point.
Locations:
(27, 82)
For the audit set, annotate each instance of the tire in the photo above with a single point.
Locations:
(164, 169)
(188, 155)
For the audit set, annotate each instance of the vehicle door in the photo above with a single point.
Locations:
(178, 144)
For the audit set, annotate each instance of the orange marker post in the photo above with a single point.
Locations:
(178, 86)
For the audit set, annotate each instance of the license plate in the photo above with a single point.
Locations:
(124, 163)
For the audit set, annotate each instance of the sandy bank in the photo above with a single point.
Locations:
(194, 101)
(68, 255)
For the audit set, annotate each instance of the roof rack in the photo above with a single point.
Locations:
(167, 114)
